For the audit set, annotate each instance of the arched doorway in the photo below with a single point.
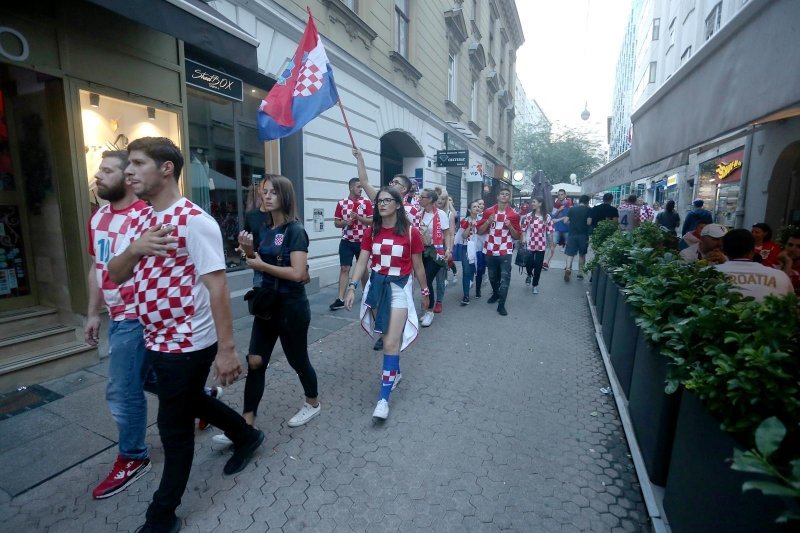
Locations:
(396, 147)
(783, 200)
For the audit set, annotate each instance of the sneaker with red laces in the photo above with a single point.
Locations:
(124, 472)
(437, 307)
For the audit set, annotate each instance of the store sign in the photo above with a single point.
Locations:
(475, 173)
(726, 169)
(452, 158)
(672, 180)
(213, 81)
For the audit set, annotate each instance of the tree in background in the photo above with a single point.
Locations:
(557, 154)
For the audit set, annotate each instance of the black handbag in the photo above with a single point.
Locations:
(263, 301)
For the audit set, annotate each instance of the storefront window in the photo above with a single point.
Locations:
(719, 185)
(227, 160)
(110, 124)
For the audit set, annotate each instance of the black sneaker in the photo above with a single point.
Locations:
(528, 280)
(465, 300)
(502, 310)
(378, 345)
(243, 452)
(477, 294)
(173, 527)
(580, 274)
(337, 304)
(493, 299)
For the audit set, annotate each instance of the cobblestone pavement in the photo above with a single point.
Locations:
(497, 424)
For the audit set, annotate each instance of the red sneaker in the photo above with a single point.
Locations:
(124, 472)
(437, 307)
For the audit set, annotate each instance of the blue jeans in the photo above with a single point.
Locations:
(128, 368)
(467, 272)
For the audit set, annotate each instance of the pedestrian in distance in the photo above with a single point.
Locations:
(391, 250)
(539, 228)
(789, 260)
(500, 224)
(353, 216)
(128, 368)
(698, 214)
(471, 241)
(604, 211)
(560, 229)
(399, 182)
(578, 240)
(669, 219)
(173, 252)
(445, 205)
(434, 227)
(766, 250)
(630, 214)
(281, 255)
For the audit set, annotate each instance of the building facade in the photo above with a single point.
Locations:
(82, 76)
(527, 109)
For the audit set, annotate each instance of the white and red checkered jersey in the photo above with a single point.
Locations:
(629, 216)
(362, 207)
(538, 229)
(106, 227)
(391, 253)
(498, 239)
(172, 303)
(413, 212)
(646, 213)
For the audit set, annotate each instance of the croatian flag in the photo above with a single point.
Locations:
(304, 89)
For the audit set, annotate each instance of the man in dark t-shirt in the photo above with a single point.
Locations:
(604, 211)
(578, 237)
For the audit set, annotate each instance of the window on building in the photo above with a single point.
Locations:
(672, 32)
(686, 55)
(656, 29)
(492, 27)
(473, 102)
(452, 69)
(401, 21)
(652, 75)
(475, 10)
(352, 4)
(490, 118)
(713, 20)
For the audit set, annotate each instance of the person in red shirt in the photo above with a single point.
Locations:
(392, 248)
(500, 224)
(767, 250)
(399, 182)
(354, 216)
(789, 260)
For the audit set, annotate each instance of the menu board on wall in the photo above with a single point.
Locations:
(14, 278)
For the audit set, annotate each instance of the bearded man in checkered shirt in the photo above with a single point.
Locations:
(354, 216)
(173, 251)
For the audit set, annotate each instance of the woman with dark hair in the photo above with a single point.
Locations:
(282, 258)
(469, 234)
(434, 226)
(767, 250)
(393, 248)
(539, 227)
(668, 218)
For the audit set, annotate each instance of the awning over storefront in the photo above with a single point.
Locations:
(745, 72)
(616, 172)
(193, 22)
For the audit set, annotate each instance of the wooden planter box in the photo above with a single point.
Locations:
(703, 493)
(623, 344)
(609, 309)
(602, 278)
(653, 412)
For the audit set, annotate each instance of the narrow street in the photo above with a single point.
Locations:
(499, 423)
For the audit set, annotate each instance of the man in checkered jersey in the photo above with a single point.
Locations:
(173, 252)
(127, 361)
(500, 224)
(354, 216)
(400, 183)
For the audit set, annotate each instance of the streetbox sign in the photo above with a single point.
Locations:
(452, 158)
(213, 81)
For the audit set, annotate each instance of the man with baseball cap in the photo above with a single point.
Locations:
(709, 247)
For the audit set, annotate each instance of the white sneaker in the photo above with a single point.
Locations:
(536, 290)
(427, 319)
(306, 413)
(397, 379)
(381, 410)
(222, 440)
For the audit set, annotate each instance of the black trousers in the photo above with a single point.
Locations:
(290, 325)
(533, 265)
(181, 399)
(499, 268)
(431, 269)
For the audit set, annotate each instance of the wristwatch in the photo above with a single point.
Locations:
(353, 284)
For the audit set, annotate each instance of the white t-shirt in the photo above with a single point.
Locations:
(444, 220)
(172, 301)
(756, 280)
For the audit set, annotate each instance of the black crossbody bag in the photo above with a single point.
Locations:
(262, 301)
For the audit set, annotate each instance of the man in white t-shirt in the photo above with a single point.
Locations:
(173, 251)
(709, 247)
(747, 276)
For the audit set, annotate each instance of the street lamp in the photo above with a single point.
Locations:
(585, 114)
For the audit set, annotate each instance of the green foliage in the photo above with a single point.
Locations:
(785, 480)
(558, 155)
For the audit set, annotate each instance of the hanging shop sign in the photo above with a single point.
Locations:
(452, 158)
(672, 180)
(213, 81)
(475, 173)
(725, 169)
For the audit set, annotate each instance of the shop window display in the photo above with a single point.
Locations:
(719, 186)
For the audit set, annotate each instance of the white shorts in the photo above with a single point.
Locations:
(399, 299)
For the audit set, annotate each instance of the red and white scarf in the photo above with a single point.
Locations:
(437, 237)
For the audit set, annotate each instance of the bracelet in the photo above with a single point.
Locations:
(353, 284)
(425, 291)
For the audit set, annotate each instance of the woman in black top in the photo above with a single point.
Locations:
(668, 218)
(283, 255)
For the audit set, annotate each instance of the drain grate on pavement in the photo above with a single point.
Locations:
(20, 401)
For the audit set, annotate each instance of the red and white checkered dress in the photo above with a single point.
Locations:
(391, 253)
(498, 239)
(172, 302)
(106, 228)
(362, 207)
(538, 229)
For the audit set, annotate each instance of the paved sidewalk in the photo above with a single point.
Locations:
(498, 423)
